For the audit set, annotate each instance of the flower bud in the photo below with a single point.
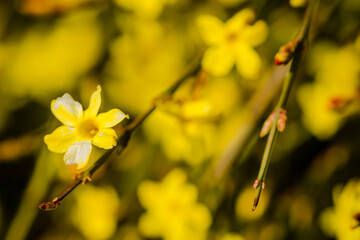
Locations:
(286, 52)
(281, 122)
(257, 183)
(267, 125)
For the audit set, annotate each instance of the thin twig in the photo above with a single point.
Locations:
(254, 111)
(289, 79)
(121, 142)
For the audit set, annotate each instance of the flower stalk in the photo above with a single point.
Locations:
(122, 141)
(297, 53)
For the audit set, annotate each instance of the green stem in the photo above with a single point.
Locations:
(289, 79)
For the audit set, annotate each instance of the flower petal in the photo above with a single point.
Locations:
(66, 110)
(148, 228)
(240, 20)
(218, 61)
(248, 62)
(60, 139)
(105, 138)
(94, 105)
(78, 153)
(149, 193)
(211, 29)
(255, 34)
(111, 118)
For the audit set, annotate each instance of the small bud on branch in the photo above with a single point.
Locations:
(281, 122)
(48, 206)
(286, 52)
(257, 183)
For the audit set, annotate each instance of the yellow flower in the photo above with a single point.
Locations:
(39, 7)
(146, 45)
(172, 209)
(187, 128)
(338, 221)
(231, 236)
(95, 212)
(82, 128)
(33, 57)
(185, 132)
(231, 3)
(232, 43)
(336, 77)
(298, 3)
(145, 8)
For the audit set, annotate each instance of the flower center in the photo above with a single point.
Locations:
(232, 37)
(175, 207)
(88, 128)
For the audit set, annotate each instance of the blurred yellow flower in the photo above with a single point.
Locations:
(336, 77)
(149, 46)
(184, 131)
(50, 56)
(172, 209)
(231, 3)
(82, 128)
(145, 8)
(95, 212)
(187, 128)
(338, 221)
(45, 7)
(231, 236)
(298, 3)
(232, 43)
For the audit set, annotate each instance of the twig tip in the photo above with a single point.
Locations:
(256, 201)
(47, 206)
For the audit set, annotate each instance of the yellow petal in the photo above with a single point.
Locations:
(197, 109)
(240, 20)
(211, 29)
(94, 105)
(105, 138)
(148, 225)
(255, 34)
(60, 139)
(327, 221)
(78, 153)
(148, 193)
(248, 62)
(111, 118)
(218, 61)
(66, 110)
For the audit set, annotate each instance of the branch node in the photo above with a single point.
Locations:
(86, 179)
(281, 122)
(286, 52)
(48, 206)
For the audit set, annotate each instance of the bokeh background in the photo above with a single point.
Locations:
(188, 171)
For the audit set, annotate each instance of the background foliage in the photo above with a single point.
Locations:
(169, 183)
